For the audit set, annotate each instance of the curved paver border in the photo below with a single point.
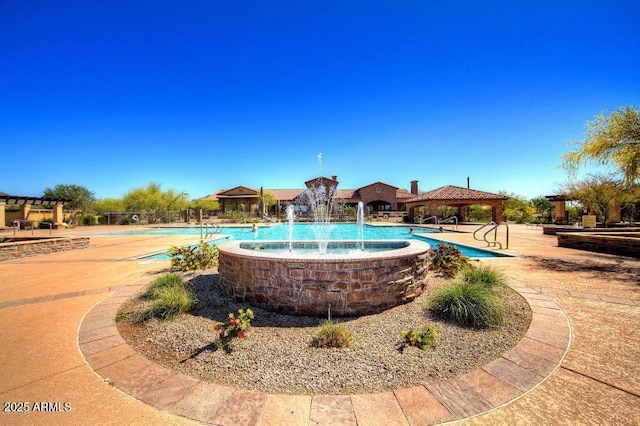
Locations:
(516, 372)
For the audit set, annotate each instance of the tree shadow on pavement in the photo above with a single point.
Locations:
(600, 267)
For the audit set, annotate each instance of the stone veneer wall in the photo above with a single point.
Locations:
(28, 247)
(308, 286)
(555, 229)
(621, 243)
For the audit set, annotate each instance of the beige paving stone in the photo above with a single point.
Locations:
(93, 346)
(490, 388)
(203, 401)
(332, 410)
(421, 407)
(531, 362)
(544, 336)
(122, 370)
(110, 356)
(583, 295)
(547, 311)
(551, 290)
(167, 393)
(552, 324)
(460, 398)
(241, 408)
(291, 410)
(143, 381)
(517, 376)
(97, 334)
(542, 350)
(379, 409)
(101, 323)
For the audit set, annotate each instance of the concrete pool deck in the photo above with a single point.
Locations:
(57, 308)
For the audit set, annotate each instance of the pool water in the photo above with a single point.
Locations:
(305, 232)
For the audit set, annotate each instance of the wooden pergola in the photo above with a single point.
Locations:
(455, 196)
(25, 203)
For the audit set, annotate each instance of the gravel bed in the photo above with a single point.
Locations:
(277, 356)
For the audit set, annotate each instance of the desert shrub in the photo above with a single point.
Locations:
(165, 281)
(473, 305)
(170, 302)
(235, 327)
(427, 337)
(168, 296)
(89, 220)
(201, 256)
(447, 260)
(482, 274)
(125, 221)
(332, 335)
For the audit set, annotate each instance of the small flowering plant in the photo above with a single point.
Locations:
(423, 339)
(234, 327)
(202, 256)
(447, 260)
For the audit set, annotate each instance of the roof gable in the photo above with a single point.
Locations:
(320, 180)
(238, 190)
(377, 184)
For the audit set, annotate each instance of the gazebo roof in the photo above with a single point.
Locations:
(452, 192)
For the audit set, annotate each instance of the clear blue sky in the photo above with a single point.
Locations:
(204, 95)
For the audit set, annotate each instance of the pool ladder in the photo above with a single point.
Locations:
(494, 241)
(204, 230)
(437, 221)
(453, 219)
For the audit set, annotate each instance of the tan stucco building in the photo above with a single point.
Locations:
(379, 198)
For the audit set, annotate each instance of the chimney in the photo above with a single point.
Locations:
(414, 187)
(334, 177)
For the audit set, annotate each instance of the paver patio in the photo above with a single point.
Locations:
(60, 345)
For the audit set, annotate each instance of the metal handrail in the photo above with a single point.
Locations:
(479, 229)
(495, 241)
(454, 218)
(50, 227)
(216, 229)
(435, 220)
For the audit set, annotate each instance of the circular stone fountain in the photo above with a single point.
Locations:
(348, 282)
(324, 277)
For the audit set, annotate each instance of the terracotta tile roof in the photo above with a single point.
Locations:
(451, 192)
(403, 194)
(347, 194)
(285, 194)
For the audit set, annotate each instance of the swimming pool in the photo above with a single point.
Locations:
(304, 232)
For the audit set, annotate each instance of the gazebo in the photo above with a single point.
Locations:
(455, 196)
(25, 204)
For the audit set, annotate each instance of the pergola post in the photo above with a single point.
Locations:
(3, 218)
(24, 211)
(57, 213)
(560, 211)
(496, 212)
